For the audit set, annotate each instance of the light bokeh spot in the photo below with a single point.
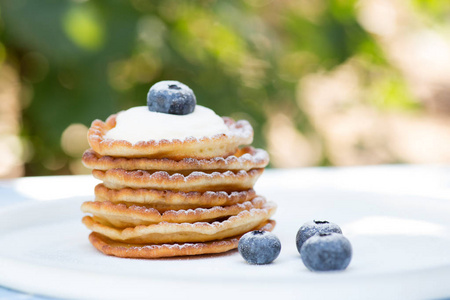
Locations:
(74, 140)
(82, 25)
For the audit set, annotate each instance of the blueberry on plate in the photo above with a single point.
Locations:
(171, 97)
(326, 252)
(259, 247)
(311, 228)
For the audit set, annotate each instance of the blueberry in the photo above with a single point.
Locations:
(171, 97)
(259, 247)
(311, 228)
(326, 252)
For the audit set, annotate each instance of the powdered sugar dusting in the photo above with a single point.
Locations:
(178, 176)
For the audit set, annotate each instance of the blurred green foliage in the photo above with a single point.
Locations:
(83, 60)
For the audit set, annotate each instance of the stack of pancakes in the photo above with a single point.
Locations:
(174, 197)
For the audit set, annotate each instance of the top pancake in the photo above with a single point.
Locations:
(220, 145)
(244, 159)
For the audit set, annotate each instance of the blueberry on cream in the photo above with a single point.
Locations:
(171, 97)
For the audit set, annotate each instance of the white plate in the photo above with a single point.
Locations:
(401, 248)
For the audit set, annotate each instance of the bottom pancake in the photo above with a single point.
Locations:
(126, 250)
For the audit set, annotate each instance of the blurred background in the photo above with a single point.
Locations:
(323, 82)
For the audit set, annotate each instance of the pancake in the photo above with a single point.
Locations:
(195, 181)
(127, 250)
(220, 145)
(164, 200)
(185, 232)
(122, 216)
(243, 159)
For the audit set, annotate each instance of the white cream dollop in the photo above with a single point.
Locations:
(139, 124)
